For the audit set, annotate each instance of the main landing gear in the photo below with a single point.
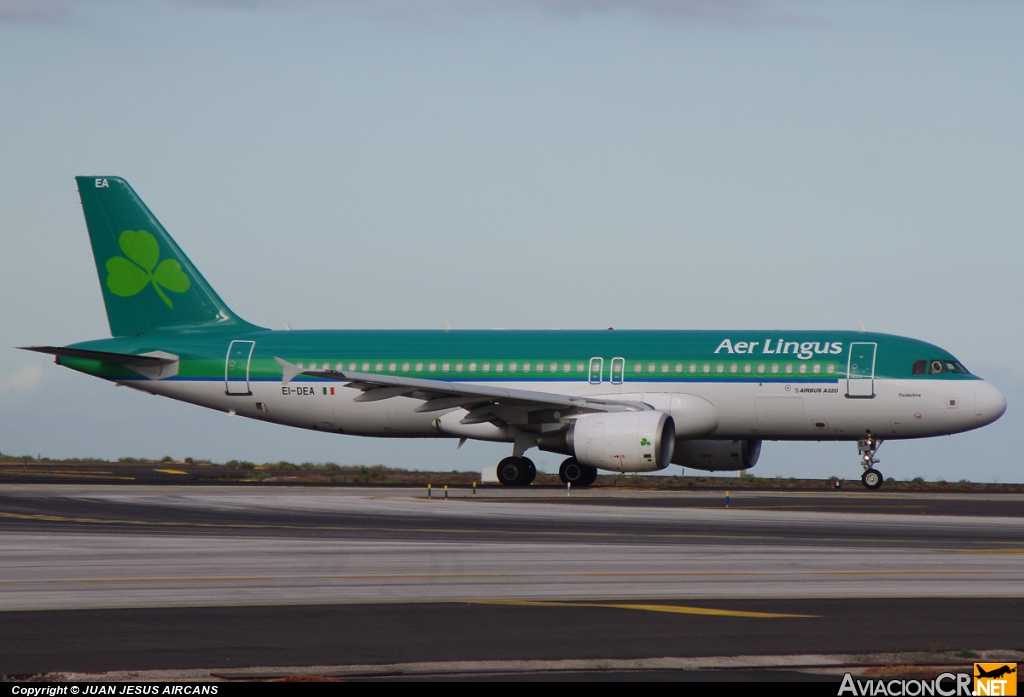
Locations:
(867, 448)
(516, 471)
(572, 472)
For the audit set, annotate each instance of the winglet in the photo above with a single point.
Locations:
(289, 371)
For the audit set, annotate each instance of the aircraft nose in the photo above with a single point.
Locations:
(989, 403)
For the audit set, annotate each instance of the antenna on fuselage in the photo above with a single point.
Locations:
(860, 326)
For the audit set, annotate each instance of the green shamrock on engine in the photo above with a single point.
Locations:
(127, 278)
(644, 441)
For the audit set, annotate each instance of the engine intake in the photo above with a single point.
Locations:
(717, 455)
(639, 441)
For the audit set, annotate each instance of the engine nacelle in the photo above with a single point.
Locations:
(717, 455)
(635, 441)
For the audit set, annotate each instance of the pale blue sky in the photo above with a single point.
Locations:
(518, 164)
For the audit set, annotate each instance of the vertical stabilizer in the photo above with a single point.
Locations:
(147, 281)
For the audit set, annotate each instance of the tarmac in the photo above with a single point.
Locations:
(240, 578)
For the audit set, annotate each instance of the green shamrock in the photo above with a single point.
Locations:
(127, 279)
(644, 441)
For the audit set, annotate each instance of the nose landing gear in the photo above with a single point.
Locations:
(872, 478)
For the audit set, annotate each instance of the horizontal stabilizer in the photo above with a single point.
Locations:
(155, 365)
(105, 356)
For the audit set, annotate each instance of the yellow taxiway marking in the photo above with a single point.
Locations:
(676, 609)
(831, 506)
(172, 471)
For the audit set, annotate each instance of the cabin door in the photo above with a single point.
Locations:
(860, 370)
(236, 367)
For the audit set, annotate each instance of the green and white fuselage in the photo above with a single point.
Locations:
(589, 394)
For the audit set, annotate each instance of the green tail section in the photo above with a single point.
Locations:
(147, 281)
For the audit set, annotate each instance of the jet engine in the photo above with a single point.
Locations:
(717, 455)
(637, 441)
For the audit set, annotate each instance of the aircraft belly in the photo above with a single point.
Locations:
(899, 409)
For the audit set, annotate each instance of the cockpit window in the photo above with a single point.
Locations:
(918, 368)
(937, 366)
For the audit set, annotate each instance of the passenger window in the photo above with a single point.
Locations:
(937, 367)
(918, 368)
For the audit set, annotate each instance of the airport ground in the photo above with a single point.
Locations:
(247, 581)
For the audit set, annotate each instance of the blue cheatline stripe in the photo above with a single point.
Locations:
(716, 381)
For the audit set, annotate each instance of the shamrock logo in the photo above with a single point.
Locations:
(127, 278)
(644, 441)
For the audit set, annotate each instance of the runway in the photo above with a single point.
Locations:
(135, 577)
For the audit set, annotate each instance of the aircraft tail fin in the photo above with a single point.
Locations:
(147, 281)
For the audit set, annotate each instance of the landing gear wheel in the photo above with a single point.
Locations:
(531, 472)
(872, 479)
(516, 471)
(572, 472)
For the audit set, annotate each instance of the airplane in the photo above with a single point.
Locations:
(620, 401)
(995, 673)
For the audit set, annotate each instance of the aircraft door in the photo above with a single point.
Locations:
(236, 367)
(618, 370)
(596, 370)
(860, 370)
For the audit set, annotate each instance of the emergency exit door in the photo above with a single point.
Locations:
(618, 370)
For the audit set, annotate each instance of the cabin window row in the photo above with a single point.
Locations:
(567, 367)
(733, 368)
(445, 367)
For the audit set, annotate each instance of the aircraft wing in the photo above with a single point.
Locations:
(485, 403)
